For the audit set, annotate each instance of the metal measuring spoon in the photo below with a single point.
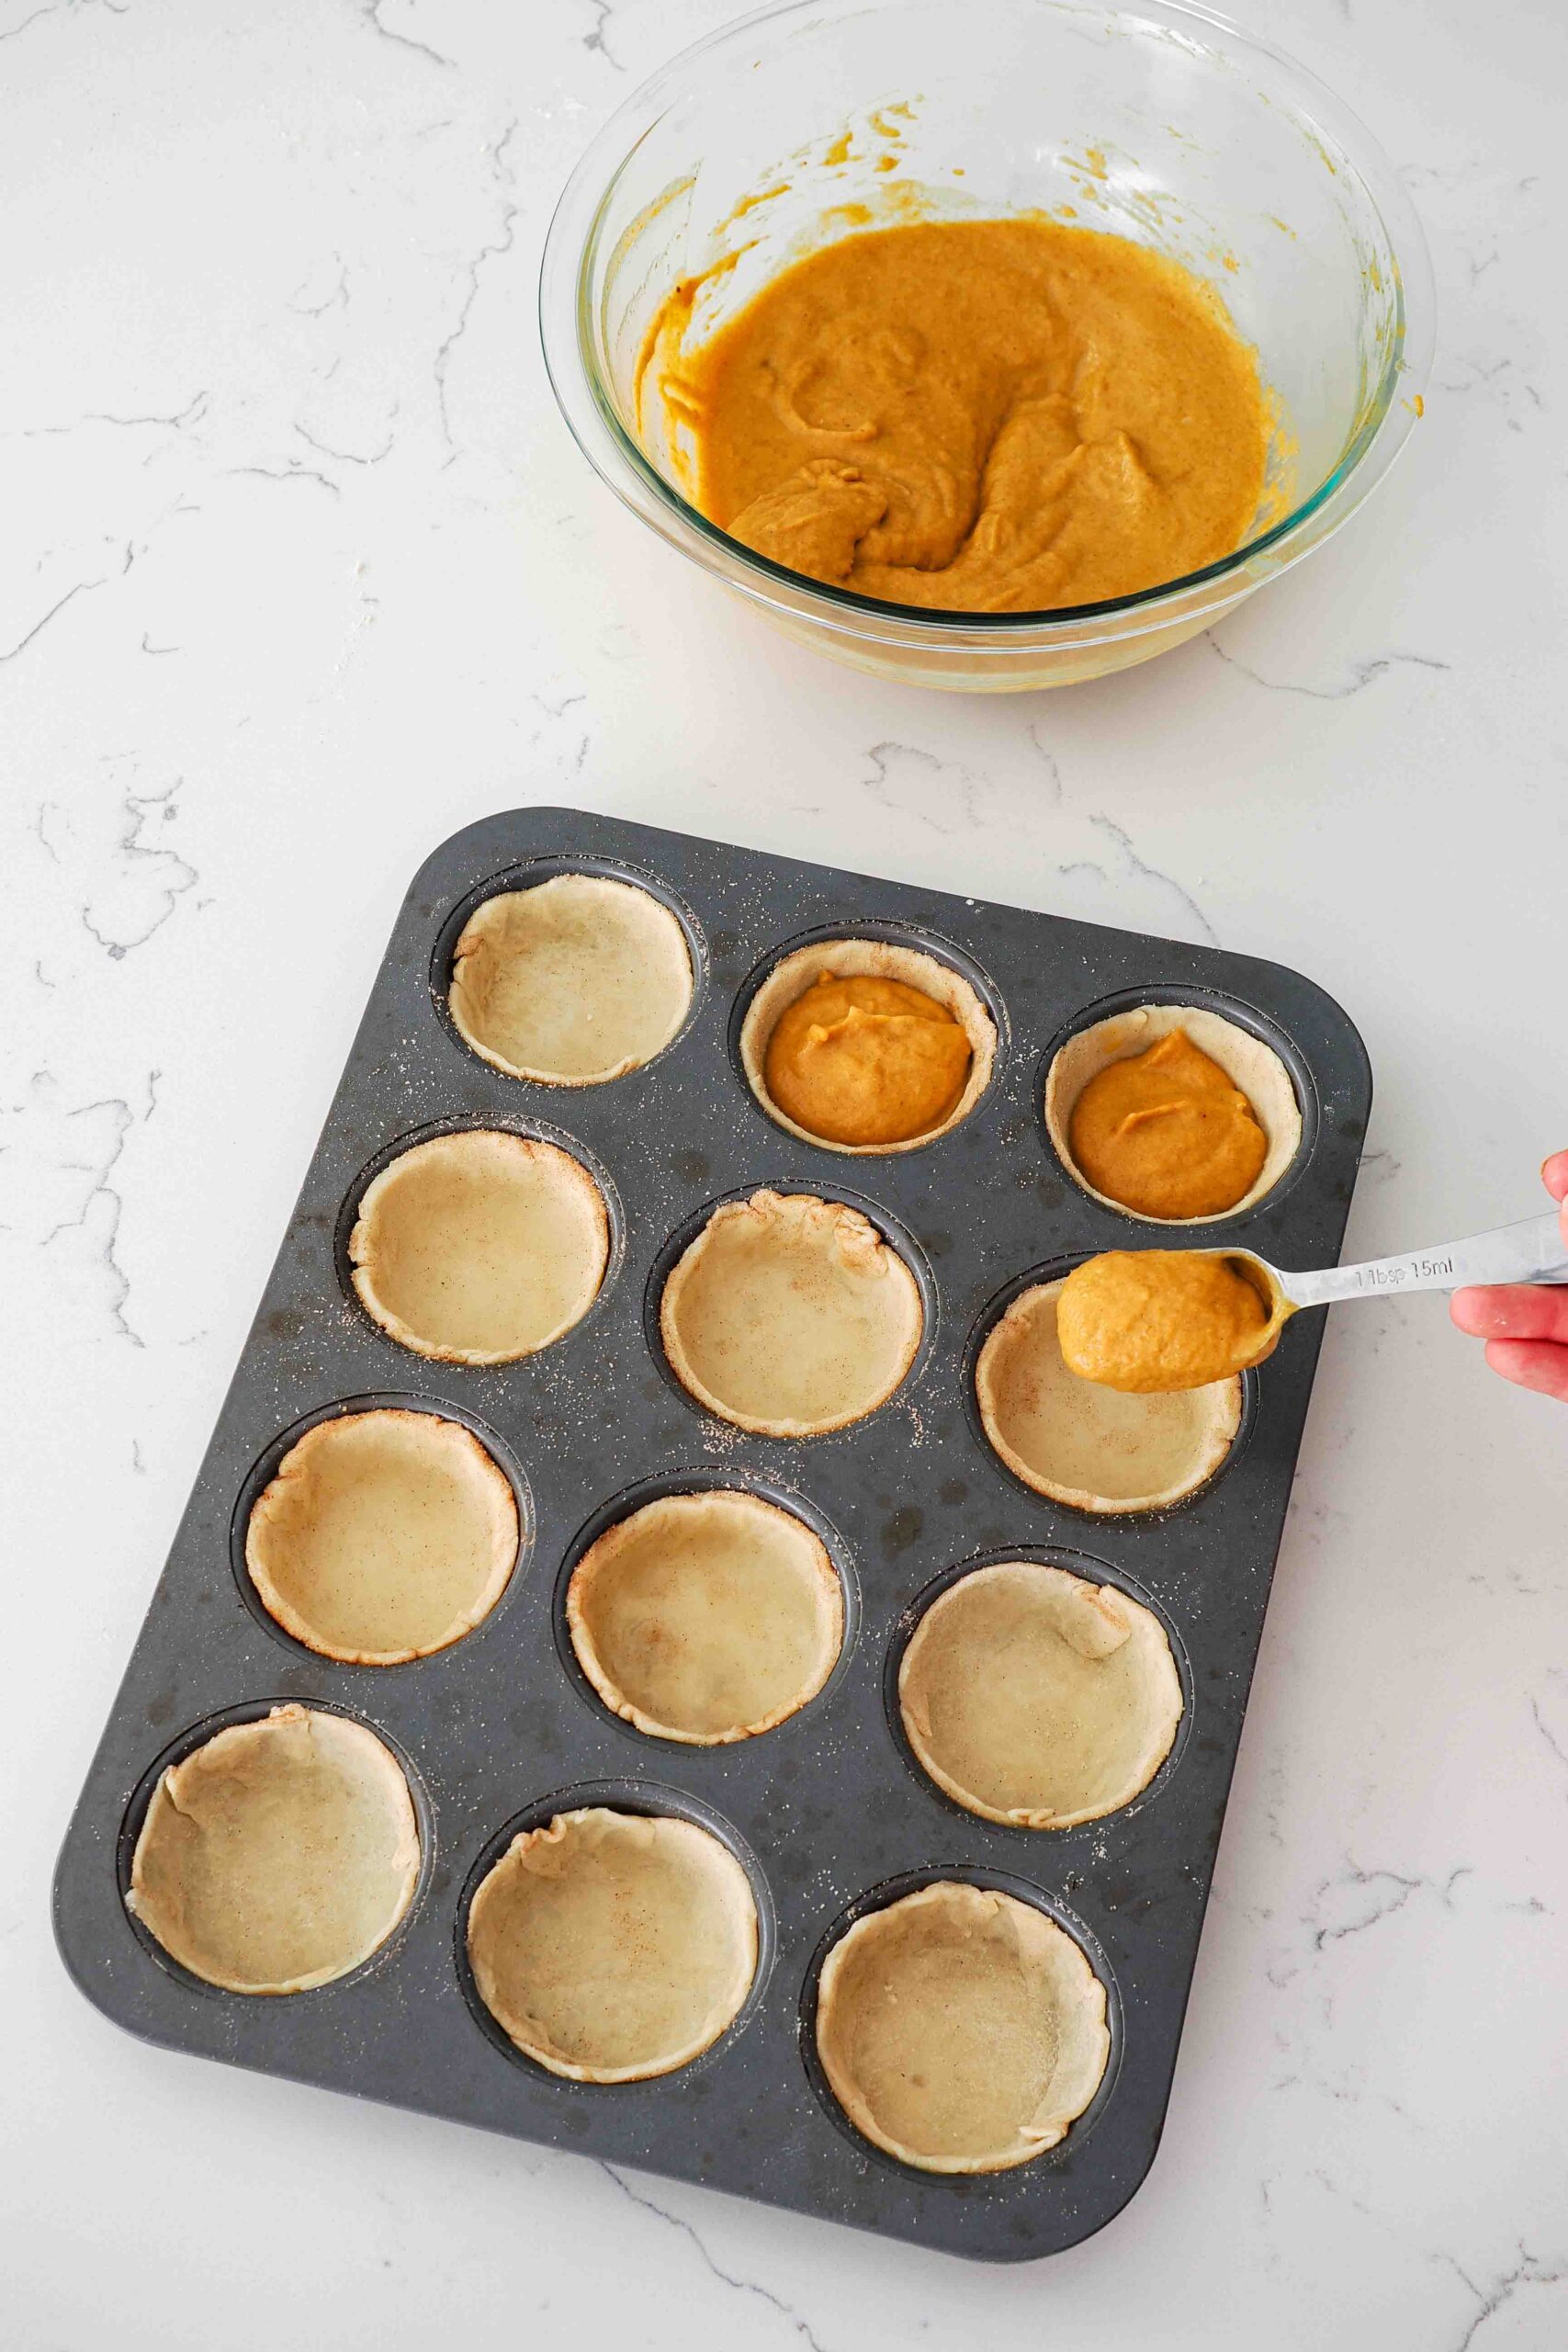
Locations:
(1531, 1252)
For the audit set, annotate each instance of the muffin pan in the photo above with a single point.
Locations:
(828, 1813)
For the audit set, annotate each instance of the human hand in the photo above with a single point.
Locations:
(1525, 1325)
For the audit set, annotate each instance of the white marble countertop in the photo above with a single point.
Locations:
(301, 572)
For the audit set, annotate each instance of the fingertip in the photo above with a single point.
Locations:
(1540, 1364)
(1468, 1310)
(1554, 1175)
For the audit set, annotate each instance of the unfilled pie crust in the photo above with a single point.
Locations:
(790, 1316)
(1037, 1698)
(1255, 1067)
(573, 982)
(382, 1536)
(480, 1246)
(881, 959)
(960, 2030)
(613, 1946)
(1084, 1444)
(706, 1617)
(279, 1854)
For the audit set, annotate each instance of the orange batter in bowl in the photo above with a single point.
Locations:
(866, 1060)
(1168, 1132)
(1002, 415)
(1152, 1320)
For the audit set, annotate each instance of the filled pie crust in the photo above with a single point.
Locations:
(1250, 1064)
(879, 959)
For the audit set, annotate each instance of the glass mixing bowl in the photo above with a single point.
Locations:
(1159, 121)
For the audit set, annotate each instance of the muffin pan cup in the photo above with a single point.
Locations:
(826, 1808)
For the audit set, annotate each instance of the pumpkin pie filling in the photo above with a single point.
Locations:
(1185, 1149)
(1152, 1320)
(866, 1060)
(867, 1044)
(1006, 415)
(1168, 1132)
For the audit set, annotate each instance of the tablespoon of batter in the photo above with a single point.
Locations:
(1152, 1320)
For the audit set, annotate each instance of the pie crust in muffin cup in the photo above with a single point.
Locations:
(479, 1246)
(1077, 1442)
(1035, 1698)
(706, 1617)
(572, 981)
(611, 1947)
(277, 1855)
(382, 1536)
(960, 2030)
(790, 1316)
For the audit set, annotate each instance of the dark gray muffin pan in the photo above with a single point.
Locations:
(829, 1813)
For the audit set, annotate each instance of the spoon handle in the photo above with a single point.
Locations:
(1531, 1252)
